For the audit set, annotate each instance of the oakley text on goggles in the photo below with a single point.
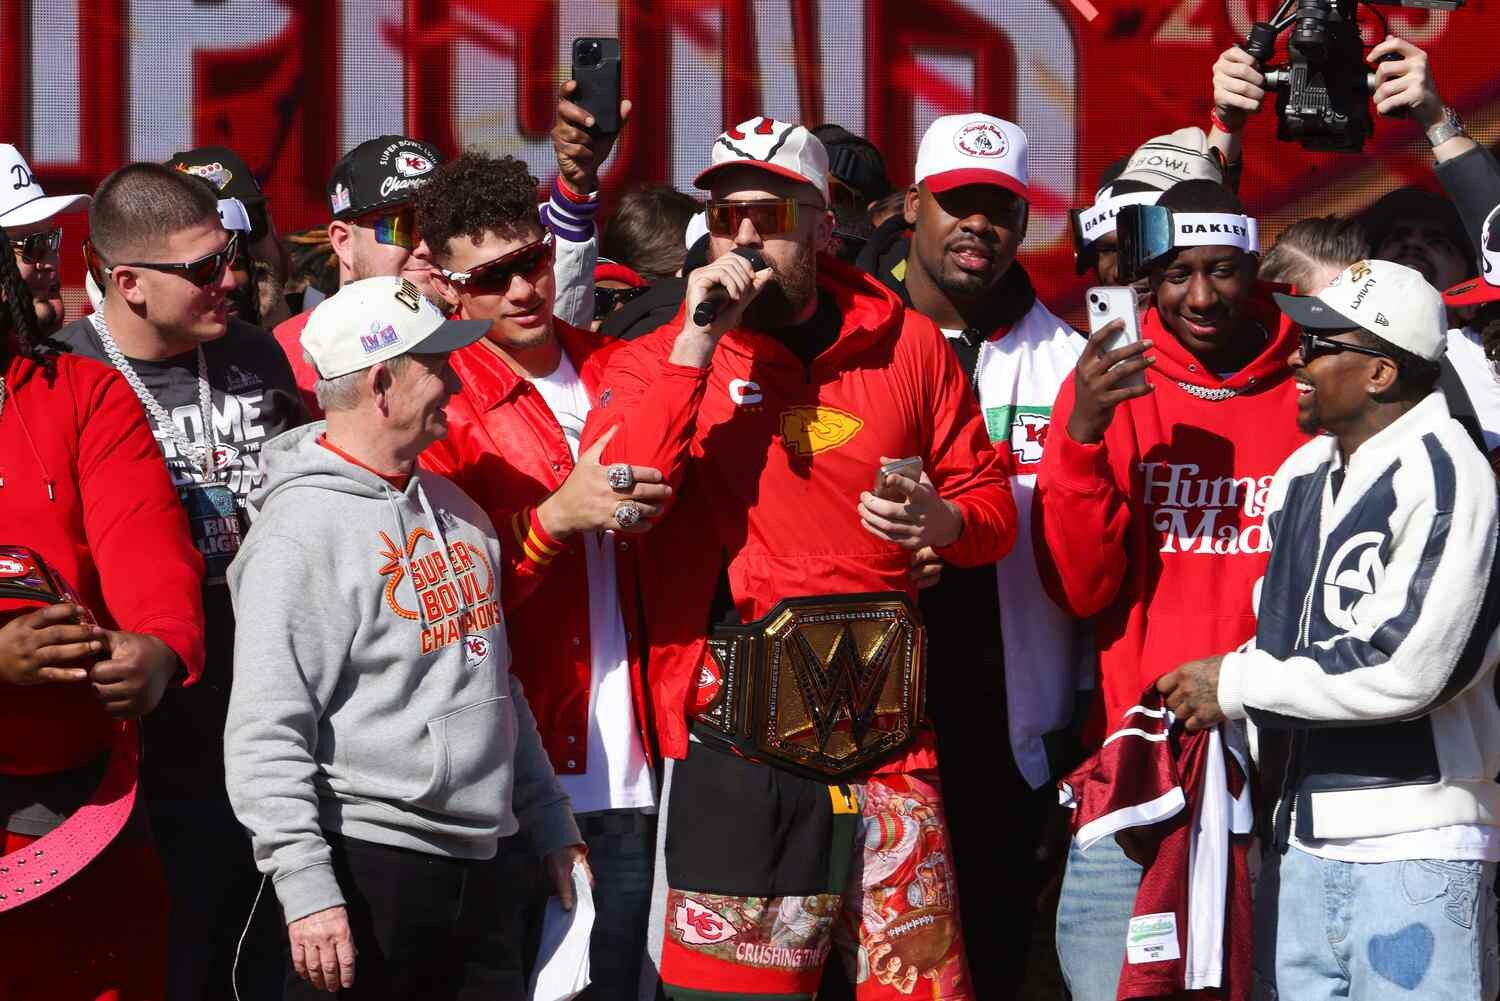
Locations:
(768, 216)
(205, 271)
(493, 277)
(37, 247)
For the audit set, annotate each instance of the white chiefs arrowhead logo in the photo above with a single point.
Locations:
(1028, 437)
(476, 650)
(699, 924)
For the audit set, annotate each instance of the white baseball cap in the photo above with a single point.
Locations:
(787, 150)
(973, 149)
(22, 200)
(1164, 161)
(1485, 288)
(1390, 300)
(374, 320)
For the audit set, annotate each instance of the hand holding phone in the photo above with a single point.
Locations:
(1112, 367)
(910, 467)
(596, 70)
(1107, 303)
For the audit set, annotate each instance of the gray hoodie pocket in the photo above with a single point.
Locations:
(472, 752)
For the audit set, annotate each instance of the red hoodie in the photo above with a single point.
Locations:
(768, 458)
(1156, 531)
(83, 484)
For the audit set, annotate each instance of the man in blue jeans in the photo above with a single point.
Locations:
(1371, 678)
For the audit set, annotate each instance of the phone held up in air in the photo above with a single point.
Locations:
(596, 70)
(910, 467)
(1108, 303)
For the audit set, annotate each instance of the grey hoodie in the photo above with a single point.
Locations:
(372, 688)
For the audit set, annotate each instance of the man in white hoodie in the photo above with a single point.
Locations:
(377, 745)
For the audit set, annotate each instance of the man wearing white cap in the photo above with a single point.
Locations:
(28, 217)
(803, 813)
(968, 211)
(1375, 660)
(377, 746)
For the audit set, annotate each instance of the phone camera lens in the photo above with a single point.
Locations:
(589, 54)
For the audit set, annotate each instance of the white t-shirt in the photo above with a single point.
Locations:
(1454, 843)
(1478, 377)
(618, 775)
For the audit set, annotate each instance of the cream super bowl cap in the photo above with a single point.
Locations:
(376, 319)
(973, 149)
(781, 148)
(22, 200)
(1391, 301)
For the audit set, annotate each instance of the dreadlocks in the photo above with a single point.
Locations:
(18, 314)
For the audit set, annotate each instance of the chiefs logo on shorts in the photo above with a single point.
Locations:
(810, 430)
(698, 924)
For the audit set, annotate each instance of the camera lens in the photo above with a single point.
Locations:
(589, 54)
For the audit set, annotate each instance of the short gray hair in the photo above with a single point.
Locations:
(343, 392)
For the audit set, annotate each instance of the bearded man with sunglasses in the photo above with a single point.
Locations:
(567, 578)
(215, 390)
(1372, 664)
(29, 217)
(803, 809)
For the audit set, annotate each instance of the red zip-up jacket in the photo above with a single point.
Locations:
(288, 334)
(768, 457)
(1156, 531)
(506, 450)
(82, 483)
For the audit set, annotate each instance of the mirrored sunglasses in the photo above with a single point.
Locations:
(37, 247)
(205, 271)
(768, 216)
(394, 229)
(493, 277)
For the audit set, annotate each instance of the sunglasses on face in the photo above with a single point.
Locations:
(37, 247)
(394, 229)
(205, 271)
(493, 277)
(607, 300)
(1314, 346)
(768, 216)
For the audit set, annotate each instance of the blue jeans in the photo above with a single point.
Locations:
(1375, 931)
(1093, 918)
(623, 862)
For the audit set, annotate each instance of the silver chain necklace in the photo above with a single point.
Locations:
(201, 452)
(1215, 395)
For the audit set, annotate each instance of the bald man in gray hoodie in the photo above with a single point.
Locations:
(377, 745)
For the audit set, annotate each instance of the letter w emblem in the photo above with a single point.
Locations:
(845, 685)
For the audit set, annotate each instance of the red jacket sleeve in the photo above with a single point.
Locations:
(961, 463)
(652, 404)
(1080, 514)
(526, 550)
(149, 571)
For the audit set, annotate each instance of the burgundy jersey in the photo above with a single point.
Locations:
(1181, 802)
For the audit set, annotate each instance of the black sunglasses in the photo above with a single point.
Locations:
(1314, 346)
(203, 272)
(37, 247)
(493, 277)
(607, 300)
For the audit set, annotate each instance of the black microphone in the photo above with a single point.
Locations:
(708, 310)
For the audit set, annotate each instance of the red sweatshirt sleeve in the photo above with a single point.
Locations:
(1080, 513)
(960, 461)
(651, 402)
(526, 550)
(149, 570)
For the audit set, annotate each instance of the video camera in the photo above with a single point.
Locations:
(1323, 91)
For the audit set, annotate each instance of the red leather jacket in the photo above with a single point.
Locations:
(768, 458)
(506, 450)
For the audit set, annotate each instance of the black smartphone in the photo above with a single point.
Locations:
(596, 69)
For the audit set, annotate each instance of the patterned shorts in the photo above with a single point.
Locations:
(768, 873)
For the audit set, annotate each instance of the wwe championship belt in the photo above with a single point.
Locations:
(826, 686)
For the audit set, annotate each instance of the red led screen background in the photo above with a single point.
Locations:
(86, 85)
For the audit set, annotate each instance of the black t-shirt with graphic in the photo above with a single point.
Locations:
(254, 398)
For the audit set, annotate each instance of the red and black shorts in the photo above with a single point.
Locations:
(768, 873)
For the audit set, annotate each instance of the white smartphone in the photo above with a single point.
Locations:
(910, 467)
(1108, 303)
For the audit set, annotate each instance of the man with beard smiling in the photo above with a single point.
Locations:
(1149, 504)
(969, 210)
(1383, 839)
(27, 214)
(777, 588)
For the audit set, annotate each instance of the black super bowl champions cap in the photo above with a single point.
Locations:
(379, 173)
